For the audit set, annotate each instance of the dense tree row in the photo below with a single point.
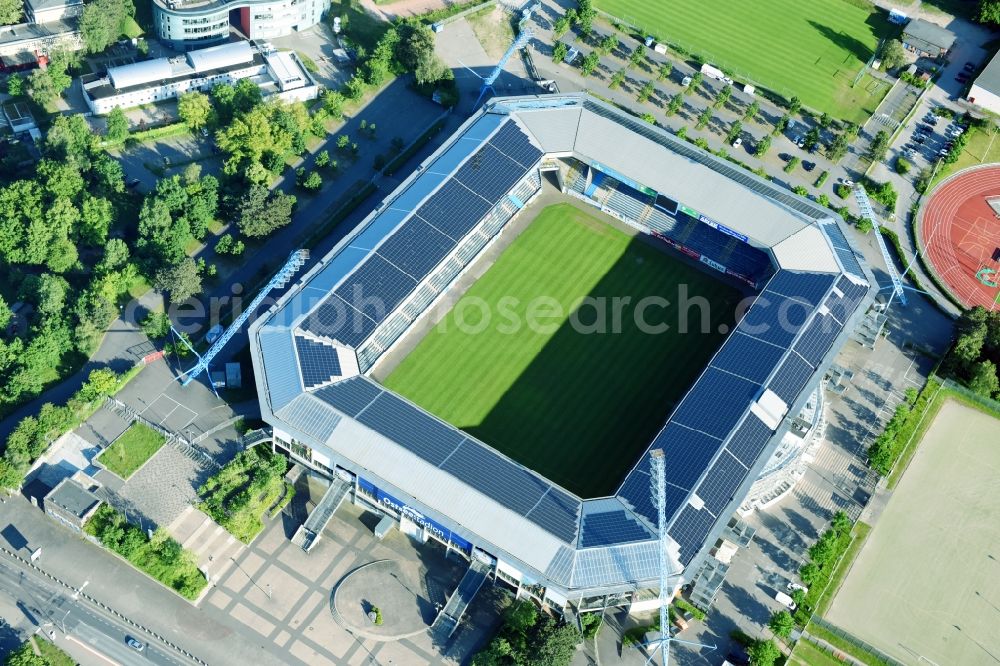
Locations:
(529, 638)
(62, 256)
(974, 358)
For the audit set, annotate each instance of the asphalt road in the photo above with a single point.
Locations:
(63, 619)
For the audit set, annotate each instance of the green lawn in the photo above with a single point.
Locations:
(812, 50)
(131, 450)
(807, 654)
(983, 148)
(577, 407)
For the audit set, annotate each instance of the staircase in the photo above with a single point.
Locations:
(447, 620)
(309, 532)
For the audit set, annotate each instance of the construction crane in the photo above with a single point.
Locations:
(865, 205)
(280, 279)
(658, 489)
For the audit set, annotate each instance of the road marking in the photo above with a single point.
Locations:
(90, 649)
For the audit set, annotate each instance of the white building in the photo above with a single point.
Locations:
(46, 11)
(985, 92)
(195, 23)
(278, 74)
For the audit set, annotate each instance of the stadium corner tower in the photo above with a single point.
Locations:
(314, 350)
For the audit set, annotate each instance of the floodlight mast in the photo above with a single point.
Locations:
(861, 196)
(658, 489)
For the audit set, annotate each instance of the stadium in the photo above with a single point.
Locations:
(530, 455)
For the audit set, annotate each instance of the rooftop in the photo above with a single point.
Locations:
(12, 34)
(989, 78)
(70, 496)
(919, 32)
(42, 5)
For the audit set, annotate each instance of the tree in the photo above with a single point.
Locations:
(261, 212)
(585, 15)
(11, 12)
(723, 96)
(824, 549)
(25, 656)
(664, 71)
(984, 379)
(415, 52)
(808, 573)
(704, 118)
(645, 92)
(781, 623)
(181, 281)
(837, 148)
(590, 63)
(763, 653)
(117, 129)
(762, 146)
(194, 109)
(45, 85)
(893, 55)
(782, 124)
(812, 138)
(617, 79)
(878, 146)
(675, 104)
(102, 22)
(752, 110)
(636, 57)
(5, 315)
(825, 121)
(559, 52)
(15, 82)
(156, 325)
(696, 80)
(794, 104)
(561, 26)
(734, 131)
(608, 44)
(989, 11)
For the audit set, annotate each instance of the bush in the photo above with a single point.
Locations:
(792, 163)
(884, 193)
(161, 556)
(841, 190)
(821, 179)
(156, 325)
(903, 166)
(800, 190)
(887, 447)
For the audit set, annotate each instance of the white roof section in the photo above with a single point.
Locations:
(806, 250)
(217, 57)
(286, 70)
(140, 73)
(554, 129)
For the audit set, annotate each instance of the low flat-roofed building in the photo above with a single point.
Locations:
(279, 74)
(985, 90)
(39, 38)
(927, 39)
(73, 500)
(46, 11)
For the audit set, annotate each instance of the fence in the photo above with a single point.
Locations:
(988, 404)
(869, 650)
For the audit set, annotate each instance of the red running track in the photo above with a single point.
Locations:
(960, 234)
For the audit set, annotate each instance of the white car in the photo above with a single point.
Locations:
(737, 142)
(792, 586)
(727, 80)
(785, 601)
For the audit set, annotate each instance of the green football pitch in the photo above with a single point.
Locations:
(812, 49)
(575, 404)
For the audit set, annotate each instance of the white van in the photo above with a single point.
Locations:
(785, 601)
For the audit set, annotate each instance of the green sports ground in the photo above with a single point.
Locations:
(812, 49)
(573, 403)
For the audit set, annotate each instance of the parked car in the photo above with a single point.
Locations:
(808, 166)
(847, 181)
(970, 66)
(737, 142)
(792, 586)
(785, 601)
(132, 183)
(799, 141)
(136, 645)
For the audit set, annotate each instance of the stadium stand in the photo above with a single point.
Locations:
(312, 351)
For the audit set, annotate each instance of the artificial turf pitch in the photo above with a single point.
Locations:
(812, 49)
(575, 405)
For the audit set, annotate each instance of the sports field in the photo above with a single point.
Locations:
(926, 586)
(811, 49)
(573, 403)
